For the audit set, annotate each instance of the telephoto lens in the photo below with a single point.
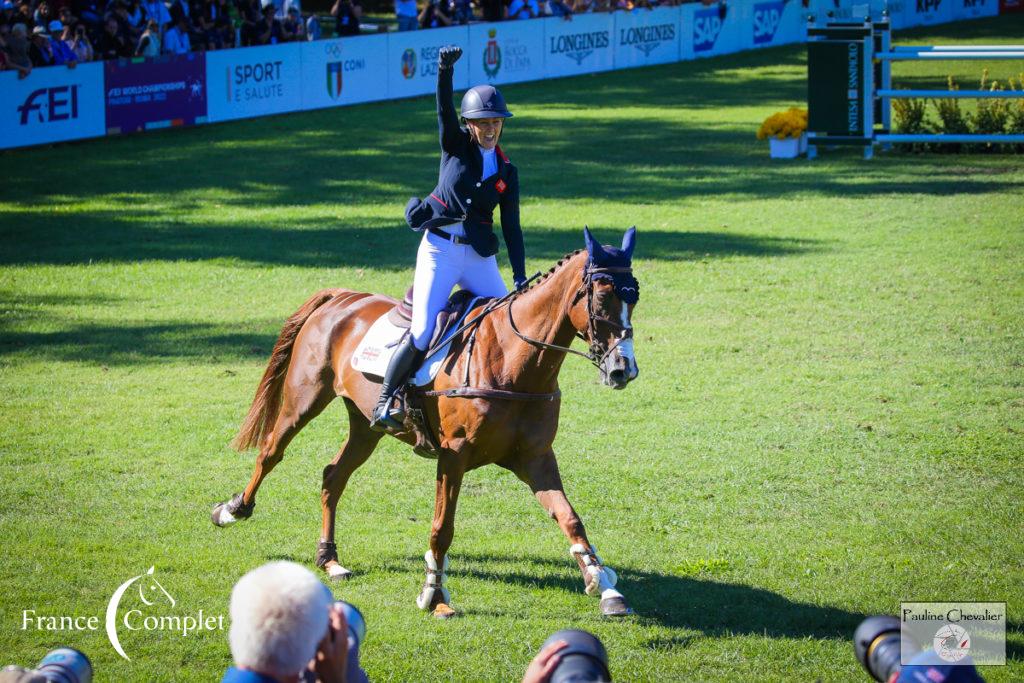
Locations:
(355, 620)
(66, 665)
(583, 661)
(877, 642)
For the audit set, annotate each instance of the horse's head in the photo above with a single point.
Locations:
(604, 308)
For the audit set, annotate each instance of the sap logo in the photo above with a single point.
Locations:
(767, 17)
(707, 24)
(928, 5)
(51, 104)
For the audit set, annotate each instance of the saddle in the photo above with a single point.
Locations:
(454, 310)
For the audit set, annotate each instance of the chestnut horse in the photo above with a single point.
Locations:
(507, 416)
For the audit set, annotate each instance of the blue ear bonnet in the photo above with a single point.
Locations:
(626, 286)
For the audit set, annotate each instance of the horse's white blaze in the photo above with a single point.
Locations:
(626, 345)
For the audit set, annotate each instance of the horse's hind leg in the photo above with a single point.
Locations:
(542, 476)
(300, 403)
(354, 452)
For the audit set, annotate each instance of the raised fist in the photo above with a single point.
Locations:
(448, 55)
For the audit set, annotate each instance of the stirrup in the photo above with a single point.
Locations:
(387, 420)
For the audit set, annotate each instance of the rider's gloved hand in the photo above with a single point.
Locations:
(520, 282)
(448, 55)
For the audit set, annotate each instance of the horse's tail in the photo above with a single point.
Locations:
(267, 402)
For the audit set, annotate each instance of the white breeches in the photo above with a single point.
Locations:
(440, 265)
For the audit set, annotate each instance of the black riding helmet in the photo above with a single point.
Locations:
(484, 102)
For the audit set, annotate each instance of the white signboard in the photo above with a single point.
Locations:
(344, 71)
(53, 103)
(506, 52)
(253, 81)
(412, 60)
(645, 37)
(580, 46)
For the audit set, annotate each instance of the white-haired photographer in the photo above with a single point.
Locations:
(286, 628)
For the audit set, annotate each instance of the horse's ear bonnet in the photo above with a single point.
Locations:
(626, 286)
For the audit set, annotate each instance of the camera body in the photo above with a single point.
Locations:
(63, 665)
(584, 661)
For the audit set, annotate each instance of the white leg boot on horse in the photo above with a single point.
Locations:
(434, 596)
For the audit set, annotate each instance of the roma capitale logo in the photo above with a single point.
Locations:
(492, 55)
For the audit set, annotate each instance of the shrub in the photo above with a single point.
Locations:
(910, 119)
(992, 114)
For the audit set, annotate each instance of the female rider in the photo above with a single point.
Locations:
(459, 243)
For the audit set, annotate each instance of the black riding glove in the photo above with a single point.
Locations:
(448, 55)
(520, 283)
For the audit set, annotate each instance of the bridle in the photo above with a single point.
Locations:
(597, 352)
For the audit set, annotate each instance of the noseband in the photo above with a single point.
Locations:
(597, 353)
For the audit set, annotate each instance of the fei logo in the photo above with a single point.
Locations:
(409, 63)
(50, 104)
(492, 54)
(707, 25)
(767, 17)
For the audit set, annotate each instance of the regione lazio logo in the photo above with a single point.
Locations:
(767, 17)
(707, 24)
(492, 54)
(334, 79)
(409, 63)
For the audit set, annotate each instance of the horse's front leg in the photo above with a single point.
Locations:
(541, 475)
(434, 596)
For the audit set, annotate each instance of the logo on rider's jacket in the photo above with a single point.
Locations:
(500, 186)
(334, 80)
(707, 25)
(647, 39)
(767, 17)
(409, 63)
(492, 55)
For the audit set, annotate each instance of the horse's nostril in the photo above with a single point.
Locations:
(617, 376)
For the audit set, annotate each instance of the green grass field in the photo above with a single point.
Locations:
(829, 417)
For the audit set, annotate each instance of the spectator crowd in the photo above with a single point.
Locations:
(37, 33)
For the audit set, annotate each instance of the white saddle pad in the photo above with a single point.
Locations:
(379, 343)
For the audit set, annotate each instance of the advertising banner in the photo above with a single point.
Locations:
(254, 81)
(580, 46)
(713, 29)
(644, 37)
(412, 60)
(974, 9)
(777, 22)
(156, 92)
(337, 72)
(918, 12)
(52, 104)
(1008, 6)
(507, 52)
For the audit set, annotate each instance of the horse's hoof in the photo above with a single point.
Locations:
(335, 572)
(615, 607)
(220, 515)
(443, 611)
(232, 511)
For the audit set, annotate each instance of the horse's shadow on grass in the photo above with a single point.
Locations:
(711, 607)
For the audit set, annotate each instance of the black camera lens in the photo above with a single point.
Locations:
(66, 665)
(877, 642)
(583, 661)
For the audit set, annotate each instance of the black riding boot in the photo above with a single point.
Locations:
(405, 360)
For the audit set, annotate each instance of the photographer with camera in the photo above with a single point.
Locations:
(63, 665)
(435, 14)
(569, 656)
(286, 628)
(878, 642)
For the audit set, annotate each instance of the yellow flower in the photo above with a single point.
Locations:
(791, 123)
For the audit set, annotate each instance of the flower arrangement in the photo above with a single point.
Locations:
(789, 124)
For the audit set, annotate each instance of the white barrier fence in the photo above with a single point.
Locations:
(56, 104)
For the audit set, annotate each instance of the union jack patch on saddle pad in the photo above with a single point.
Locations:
(500, 186)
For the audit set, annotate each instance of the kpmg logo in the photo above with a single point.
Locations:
(46, 105)
(409, 63)
(707, 25)
(767, 17)
(492, 54)
(579, 46)
(647, 39)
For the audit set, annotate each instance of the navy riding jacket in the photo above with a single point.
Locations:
(461, 195)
